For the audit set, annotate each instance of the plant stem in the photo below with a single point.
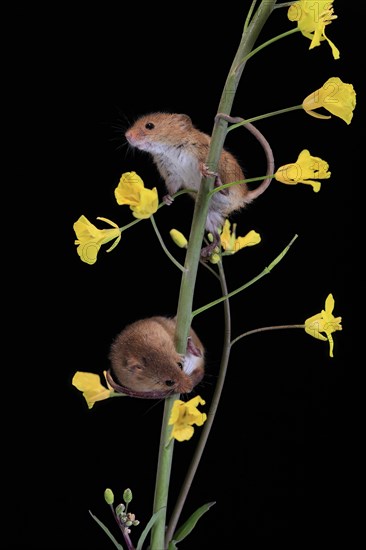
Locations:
(266, 115)
(210, 417)
(263, 329)
(284, 4)
(188, 280)
(249, 180)
(266, 271)
(162, 477)
(170, 256)
(269, 42)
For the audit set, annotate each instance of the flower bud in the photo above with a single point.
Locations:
(178, 238)
(109, 496)
(120, 509)
(127, 495)
(215, 258)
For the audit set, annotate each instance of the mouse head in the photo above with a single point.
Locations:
(155, 130)
(147, 366)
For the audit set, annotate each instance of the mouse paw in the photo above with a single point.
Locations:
(205, 171)
(208, 250)
(168, 199)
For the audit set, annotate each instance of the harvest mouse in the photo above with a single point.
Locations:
(180, 151)
(145, 363)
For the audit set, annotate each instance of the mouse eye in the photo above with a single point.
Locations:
(149, 126)
(180, 364)
(169, 383)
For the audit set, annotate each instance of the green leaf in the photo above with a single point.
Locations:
(107, 531)
(189, 525)
(145, 532)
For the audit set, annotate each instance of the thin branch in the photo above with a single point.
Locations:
(170, 256)
(263, 329)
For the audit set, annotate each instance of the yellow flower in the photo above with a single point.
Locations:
(89, 384)
(312, 18)
(178, 238)
(303, 169)
(183, 416)
(335, 96)
(131, 190)
(231, 243)
(90, 239)
(324, 322)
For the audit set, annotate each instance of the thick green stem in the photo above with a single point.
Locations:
(250, 35)
(163, 476)
(188, 281)
(211, 413)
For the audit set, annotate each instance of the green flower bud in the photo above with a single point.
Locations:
(136, 522)
(215, 258)
(109, 496)
(120, 509)
(127, 495)
(128, 523)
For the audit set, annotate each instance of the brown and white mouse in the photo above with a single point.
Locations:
(145, 363)
(180, 152)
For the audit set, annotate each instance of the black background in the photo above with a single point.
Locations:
(279, 458)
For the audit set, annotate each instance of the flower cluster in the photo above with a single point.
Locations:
(131, 191)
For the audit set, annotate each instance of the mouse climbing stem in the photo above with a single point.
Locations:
(250, 34)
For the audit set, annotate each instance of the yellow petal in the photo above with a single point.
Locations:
(174, 415)
(85, 380)
(88, 252)
(129, 189)
(147, 204)
(329, 304)
(252, 238)
(314, 329)
(89, 384)
(182, 433)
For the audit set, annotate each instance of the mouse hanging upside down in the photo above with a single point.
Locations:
(145, 363)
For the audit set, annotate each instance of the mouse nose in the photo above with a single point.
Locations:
(131, 137)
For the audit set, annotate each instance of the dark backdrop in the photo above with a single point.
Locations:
(278, 460)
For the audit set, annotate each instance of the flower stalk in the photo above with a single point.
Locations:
(211, 414)
(188, 280)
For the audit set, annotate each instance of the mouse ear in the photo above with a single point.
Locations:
(185, 120)
(133, 364)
